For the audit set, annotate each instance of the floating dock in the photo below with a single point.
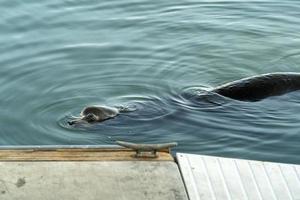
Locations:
(94, 172)
(210, 178)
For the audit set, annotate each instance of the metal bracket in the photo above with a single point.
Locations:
(146, 150)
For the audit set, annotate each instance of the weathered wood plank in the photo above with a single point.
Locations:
(77, 155)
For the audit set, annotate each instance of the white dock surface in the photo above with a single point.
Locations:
(208, 178)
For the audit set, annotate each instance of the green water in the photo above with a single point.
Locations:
(58, 56)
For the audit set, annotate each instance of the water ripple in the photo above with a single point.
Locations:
(161, 58)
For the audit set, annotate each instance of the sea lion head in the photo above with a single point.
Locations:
(93, 114)
(90, 118)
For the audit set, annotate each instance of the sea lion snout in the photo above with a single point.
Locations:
(71, 123)
(76, 121)
(90, 117)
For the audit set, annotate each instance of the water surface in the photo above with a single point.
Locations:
(58, 56)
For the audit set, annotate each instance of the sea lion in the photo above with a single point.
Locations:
(258, 87)
(253, 88)
(93, 114)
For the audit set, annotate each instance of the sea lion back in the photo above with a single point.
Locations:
(259, 87)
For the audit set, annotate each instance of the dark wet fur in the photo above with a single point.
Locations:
(259, 87)
(99, 114)
(248, 89)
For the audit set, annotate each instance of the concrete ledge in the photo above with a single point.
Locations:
(107, 180)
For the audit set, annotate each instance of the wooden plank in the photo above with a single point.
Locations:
(238, 179)
(97, 154)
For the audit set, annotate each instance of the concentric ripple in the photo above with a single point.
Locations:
(158, 58)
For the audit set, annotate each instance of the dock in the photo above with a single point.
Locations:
(81, 173)
(212, 178)
(147, 172)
